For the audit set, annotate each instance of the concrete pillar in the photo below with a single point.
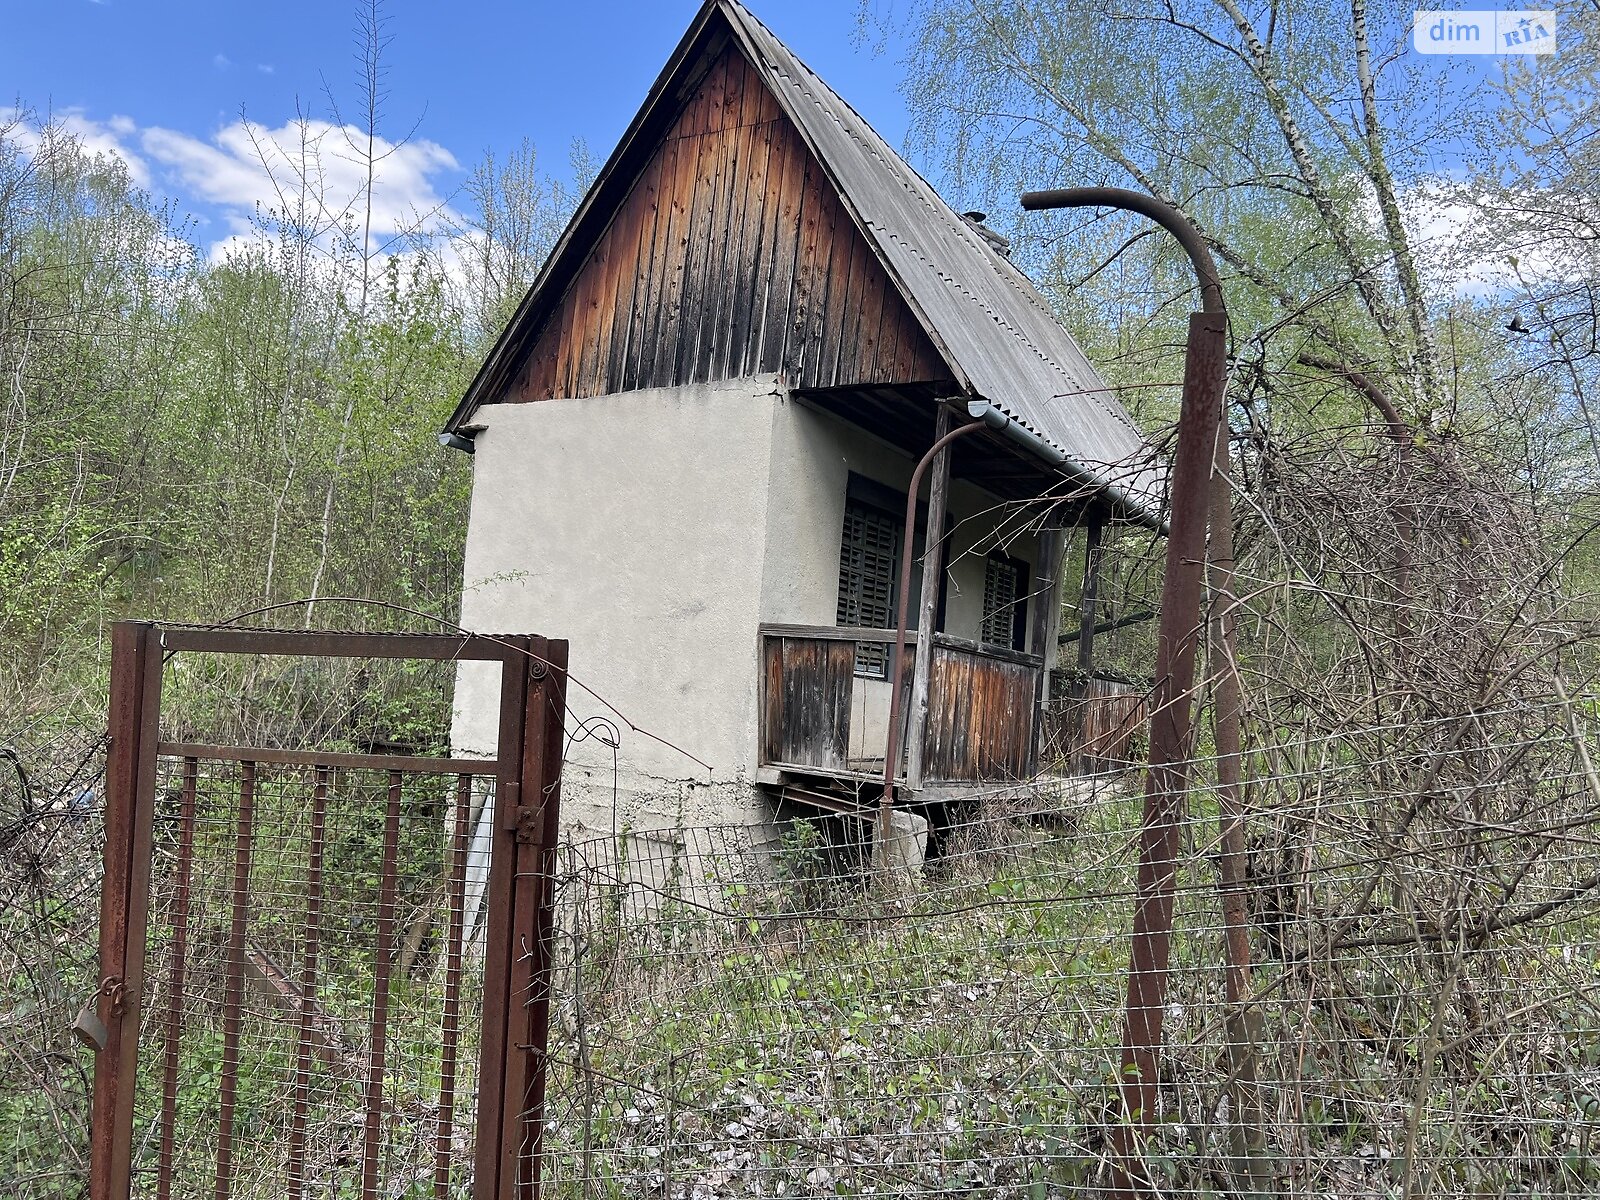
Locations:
(906, 848)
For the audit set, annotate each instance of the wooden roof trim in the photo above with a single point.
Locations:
(681, 73)
(694, 54)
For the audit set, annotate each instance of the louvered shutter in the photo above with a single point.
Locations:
(869, 553)
(1002, 588)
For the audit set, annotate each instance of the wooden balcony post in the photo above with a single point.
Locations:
(1089, 595)
(1046, 624)
(928, 606)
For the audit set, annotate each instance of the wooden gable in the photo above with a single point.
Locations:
(730, 256)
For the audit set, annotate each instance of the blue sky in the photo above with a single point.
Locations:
(164, 82)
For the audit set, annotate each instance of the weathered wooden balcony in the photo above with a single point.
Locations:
(820, 718)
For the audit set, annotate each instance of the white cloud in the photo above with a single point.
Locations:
(107, 138)
(1467, 245)
(308, 173)
(266, 68)
(96, 138)
(221, 61)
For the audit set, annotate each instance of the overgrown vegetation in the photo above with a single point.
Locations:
(1416, 452)
(195, 438)
(782, 1030)
(192, 437)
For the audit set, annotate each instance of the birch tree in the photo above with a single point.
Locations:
(1293, 136)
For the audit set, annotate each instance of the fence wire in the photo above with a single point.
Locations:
(738, 1017)
(741, 1010)
(51, 831)
(311, 1010)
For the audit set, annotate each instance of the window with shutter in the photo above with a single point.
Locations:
(869, 560)
(1005, 602)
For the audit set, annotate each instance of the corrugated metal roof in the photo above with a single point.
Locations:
(988, 320)
(994, 330)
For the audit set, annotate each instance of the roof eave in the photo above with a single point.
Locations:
(1063, 464)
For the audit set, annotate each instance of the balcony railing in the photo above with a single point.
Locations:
(1101, 724)
(818, 715)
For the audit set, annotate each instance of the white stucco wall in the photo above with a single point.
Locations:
(813, 454)
(634, 526)
(656, 531)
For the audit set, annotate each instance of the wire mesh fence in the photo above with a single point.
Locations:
(51, 830)
(738, 1017)
(300, 939)
(311, 1004)
(745, 1010)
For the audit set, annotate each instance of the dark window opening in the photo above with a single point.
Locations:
(1005, 602)
(869, 564)
(869, 567)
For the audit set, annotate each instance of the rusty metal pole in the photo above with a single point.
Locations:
(1247, 1118)
(1171, 724)
(880, 838)
(130, 654)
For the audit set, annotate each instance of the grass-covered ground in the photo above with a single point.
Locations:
(792, 1032)
(732, 1020)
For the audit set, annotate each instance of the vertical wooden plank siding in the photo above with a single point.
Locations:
(699, 273)
(691, 149)
(1106, 721)
(786, 211)
(733, 355)
(724, 221)
(845, 270)
(731, 255)
(640, 215)
(980, 718)
(806, 702)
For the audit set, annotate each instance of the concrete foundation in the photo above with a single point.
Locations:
(907, 847)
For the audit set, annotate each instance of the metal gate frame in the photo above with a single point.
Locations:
(519, 898)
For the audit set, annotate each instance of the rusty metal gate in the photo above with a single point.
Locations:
(264, 1028)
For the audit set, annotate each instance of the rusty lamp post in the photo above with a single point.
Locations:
(1172, 701)
(891, 756)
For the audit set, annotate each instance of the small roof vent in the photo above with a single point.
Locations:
(1002, 246)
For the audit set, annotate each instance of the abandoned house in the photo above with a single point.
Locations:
(693, 444)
